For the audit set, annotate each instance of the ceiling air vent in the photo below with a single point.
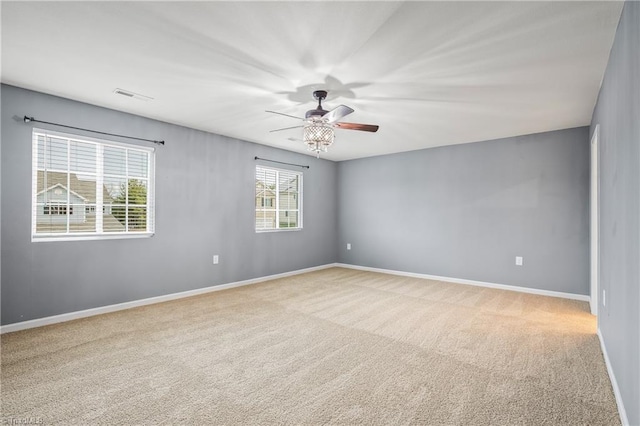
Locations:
(129, 94)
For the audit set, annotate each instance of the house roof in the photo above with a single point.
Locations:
(85, 189)
(260, 186)
(59, 185)
(291, 184)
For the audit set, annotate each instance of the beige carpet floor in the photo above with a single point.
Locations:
(336, 346)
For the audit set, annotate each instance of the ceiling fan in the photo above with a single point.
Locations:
(319, 124)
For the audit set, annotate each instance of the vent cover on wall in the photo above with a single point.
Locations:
(130, 94)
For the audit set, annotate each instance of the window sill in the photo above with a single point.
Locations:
(266, 231)
(110, 236)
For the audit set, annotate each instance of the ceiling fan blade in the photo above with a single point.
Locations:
(286, 115)
(356, 126)
(337, 113)
(285, 128)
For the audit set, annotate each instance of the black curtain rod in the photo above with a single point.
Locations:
(280, 162)
(31, 119)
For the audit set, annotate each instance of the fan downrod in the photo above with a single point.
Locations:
(320, 95)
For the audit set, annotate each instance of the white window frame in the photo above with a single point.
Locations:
(98, 234)
(277, 200)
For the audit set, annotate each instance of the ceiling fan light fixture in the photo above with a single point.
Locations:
(318, 136)
(319, 124)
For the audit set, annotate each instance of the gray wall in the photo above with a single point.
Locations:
(205, 206)
(466, 211)
(617, 113)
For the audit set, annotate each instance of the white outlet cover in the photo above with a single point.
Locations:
(348, 246)
(519, 260)
(216, 259)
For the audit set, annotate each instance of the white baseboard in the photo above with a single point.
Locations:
(470, 282)
(614, 383)
(39, 322)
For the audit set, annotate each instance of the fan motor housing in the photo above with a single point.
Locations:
(315, 113)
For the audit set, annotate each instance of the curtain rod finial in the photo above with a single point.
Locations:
(28, 119)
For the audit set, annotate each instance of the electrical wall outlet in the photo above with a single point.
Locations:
(519, 260)
(216, 259)
(348, 246)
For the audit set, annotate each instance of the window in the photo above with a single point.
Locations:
(87, 188)
(57, 208)
(278, 195)
(267, 202)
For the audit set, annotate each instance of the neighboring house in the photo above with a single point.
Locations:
(265, 197)
(288, 200)
(265, 201)
(56, 203)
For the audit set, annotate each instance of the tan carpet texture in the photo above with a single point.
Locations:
(336, 346)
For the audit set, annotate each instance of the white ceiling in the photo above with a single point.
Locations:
(429, 73)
